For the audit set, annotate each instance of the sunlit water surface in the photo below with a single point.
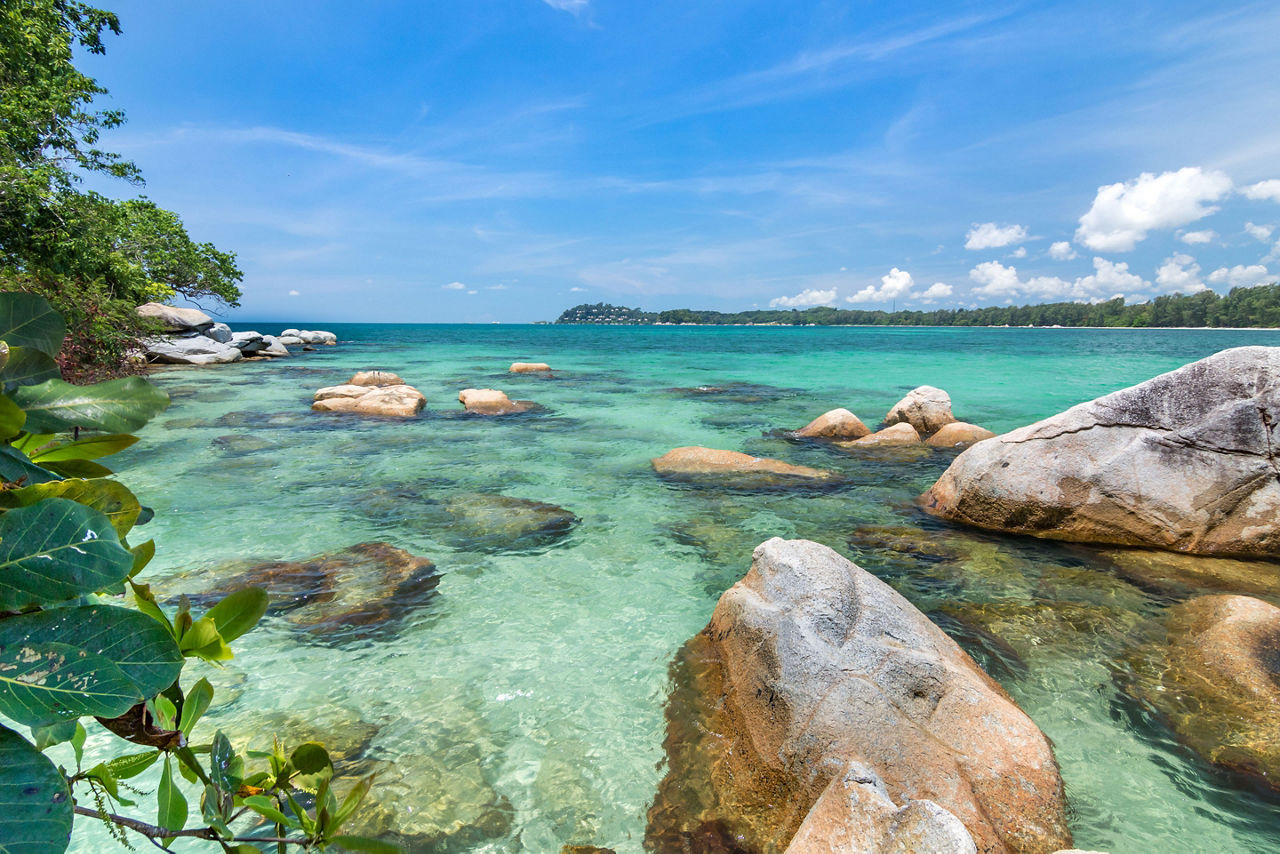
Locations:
(536, 680)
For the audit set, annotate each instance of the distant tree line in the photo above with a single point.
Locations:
(1247, 307)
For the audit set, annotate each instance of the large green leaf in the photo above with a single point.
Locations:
(27, 320)
(116, 406)
(88, 448)
(57, 550)
(35, 804)
(142, 648)
(41, 683)
(28, 366)
(15, 466)
(11, 418)
(109, 497)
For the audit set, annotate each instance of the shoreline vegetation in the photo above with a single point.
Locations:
(1243, 308)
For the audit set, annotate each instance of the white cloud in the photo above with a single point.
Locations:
(454, 286)
(1123, 214)
(1191, 238)
(988, 235)
(938, 290)
(1020, 252)
(577, 290)
(497, 288)
(1259, 232)
(807, 297)
(472, 292)
(1241, 276)
(295, 293)
(1180, 274)
(996, 280)
(572, 6)
(896, 284)
(1264, 190)
(1062, 251)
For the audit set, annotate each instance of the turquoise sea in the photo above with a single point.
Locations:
(521, 707)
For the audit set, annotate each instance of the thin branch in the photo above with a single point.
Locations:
(153, 832)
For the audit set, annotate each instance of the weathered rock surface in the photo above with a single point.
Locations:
(925, 408)
(371, 393)
(275, 347)
(1183, 462)
(248, 342)
(811, 667)
(734, 469)
(1217, 681)
(191, 350)
(836, 424)
(310, 336)
(958, 433)
(854, 813)
(890, 437)
(375, 378)
(490, 401)
(475, 521)
(176, 319)
(219, 332)
(529, 368)
(355, 591)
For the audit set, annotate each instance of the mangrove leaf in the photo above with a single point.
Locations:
(109, 497)
(115, 406)
(28, 366)
(88, 448)
(11, 418)
(57, 550)
(15, 467)
(27, 320)
(41, 683)
(35, 804)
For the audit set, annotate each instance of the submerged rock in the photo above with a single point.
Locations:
(836, 424)
(1216, 679)
(490, 401)
(238, 444)
(1037, 629)
(350, 592)
(529, 368)
(473, 521)
(1183, 462)
(1169, 572)
(925, 408)
(812, 667)
(735, 470)
(958, 433)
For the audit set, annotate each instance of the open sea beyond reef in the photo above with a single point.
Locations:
(527, 695)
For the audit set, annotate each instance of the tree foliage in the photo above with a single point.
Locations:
(71, 652)
(94, 258)
(1242, 307)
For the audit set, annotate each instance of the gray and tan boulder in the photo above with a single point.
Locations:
(1216, 680)
(711, 466)
(191, 350)
(812, 668)
(174, 319)
(1183, 462)
(490, 401)
(957, 434)
(529, 368)
(310, 336)
(925, 408)
(838, 424)
(402, 401)
(375, 378)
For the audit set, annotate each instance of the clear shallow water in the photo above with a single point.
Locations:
(532, 686)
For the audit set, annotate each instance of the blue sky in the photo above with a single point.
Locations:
(501, 160)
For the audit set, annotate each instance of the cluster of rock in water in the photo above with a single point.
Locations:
(195, 339)
(819, 711)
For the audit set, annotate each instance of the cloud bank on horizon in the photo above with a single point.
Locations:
(423, 162)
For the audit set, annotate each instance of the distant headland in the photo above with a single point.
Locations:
(1257, 307)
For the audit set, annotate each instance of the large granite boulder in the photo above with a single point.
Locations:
(401, 401)
(812, 668)
(375, 378)
(1217, 681)
(836, 424)
(310, 336)
(250, 343)
(275, 347)
(714, 467)
(1184, 462)
(353, 592)
(174, 319)
(191, 350)
(219, 332)
(490, 401)
(925, 408)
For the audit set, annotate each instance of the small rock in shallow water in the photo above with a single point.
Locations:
(731, 469)
(490, 401)
(836, 424)
(890, 437)
(375, 378)
(958, 434)
(470, 521)
(1172, 573)
(529, 368)
(925, 408)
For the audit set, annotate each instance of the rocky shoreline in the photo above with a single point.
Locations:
(194, 338)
